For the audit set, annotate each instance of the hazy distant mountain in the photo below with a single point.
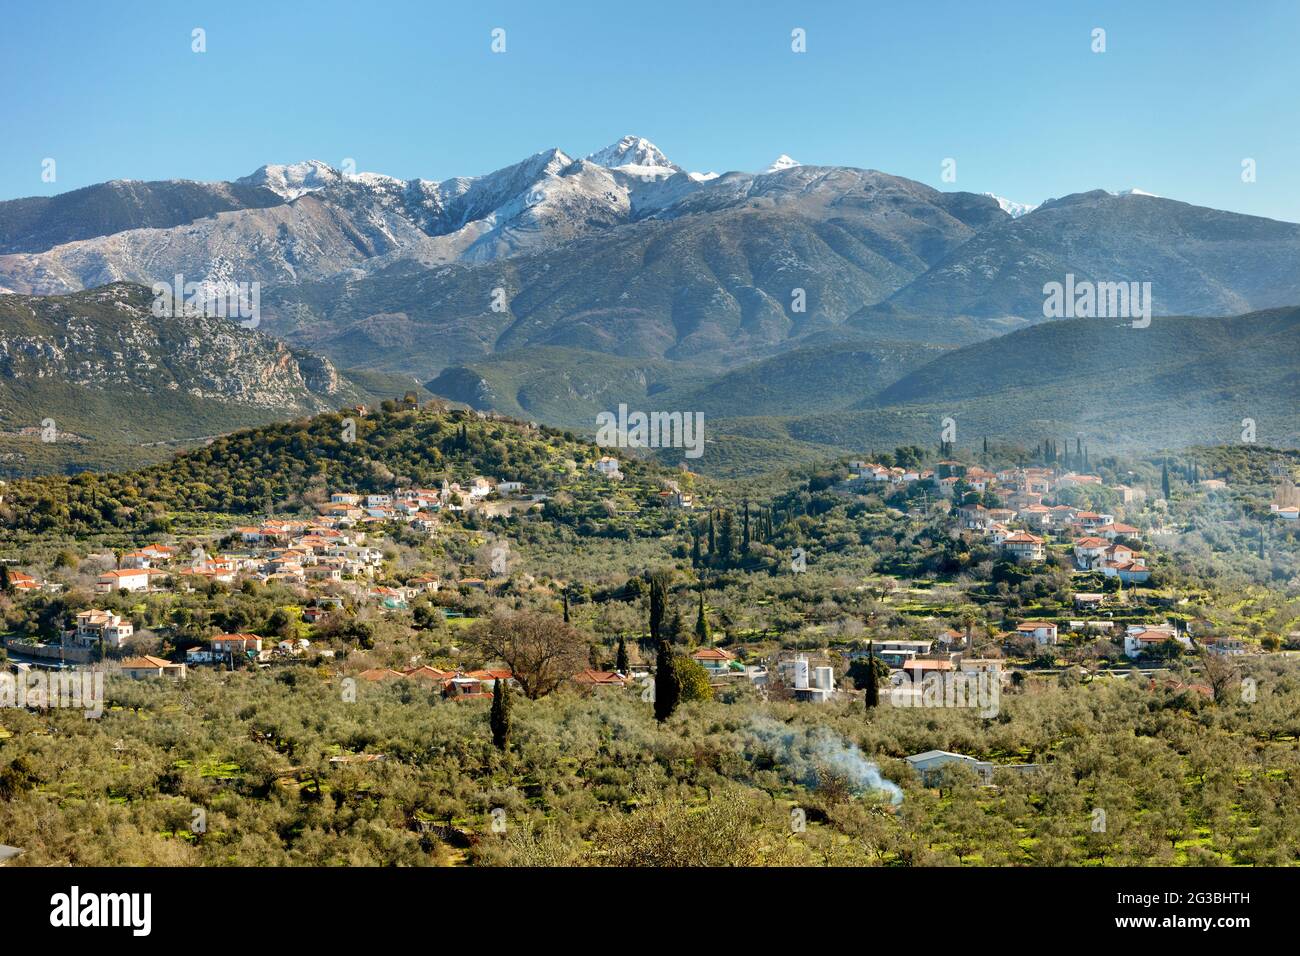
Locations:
(42, 222)
(1199, 261)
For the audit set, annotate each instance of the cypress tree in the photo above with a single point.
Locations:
(696, 557)
(713, 537)
(658, 606)
(726, 539)
(620, 662)
(744, 537)
(1164, 478)
(668, 688)
(702, 633)
(873, 687)
(500, 717)
(566, 607)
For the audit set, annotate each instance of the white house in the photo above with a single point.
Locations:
(127, 579)
(608, 467)
(1024, 546)
(94, 626)
(930, 765)
(1043, 632)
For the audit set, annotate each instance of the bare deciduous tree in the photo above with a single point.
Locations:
(540, 649)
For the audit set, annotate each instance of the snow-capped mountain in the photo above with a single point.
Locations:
(599, 242)
(1135, 192)
(327, 221)
(782, 162)
(293, 180)
(1012, 208)
(633, 151)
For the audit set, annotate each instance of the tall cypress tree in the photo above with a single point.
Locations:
(668, 689)
(726, 539)
(744, 536)
(566, 607)
(702, 633)
(620, 662)
(500, 717)
(873, 686)
(658, 607)
(1164, 478)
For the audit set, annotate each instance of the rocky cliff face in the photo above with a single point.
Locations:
(108, 339)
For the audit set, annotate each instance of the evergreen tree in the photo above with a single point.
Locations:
(500, 717)
(726, 542)
(713, 537)
(1164, 478)
(6, 582)
(667, 687)
(744, 536)
(696, 557)
(566, 607)
(658, 607)
(702, 633)
(620, 662)
(873, 686)
(677, 632)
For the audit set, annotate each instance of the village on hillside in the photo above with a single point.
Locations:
(335, 564)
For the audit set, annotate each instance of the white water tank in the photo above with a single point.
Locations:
(825, 678)
(800, 673)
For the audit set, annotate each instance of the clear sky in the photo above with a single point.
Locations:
(1013, 91)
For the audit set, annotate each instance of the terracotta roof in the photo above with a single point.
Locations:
(140, 663)
(599, 677)
(380, 673)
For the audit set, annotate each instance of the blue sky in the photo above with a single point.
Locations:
(1012, 90)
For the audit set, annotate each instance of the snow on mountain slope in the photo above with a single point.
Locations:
(294, 179)
(632, 151)
(1012, 208)
(782, 162)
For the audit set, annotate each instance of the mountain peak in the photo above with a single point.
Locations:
(1012, 208)
(631, 151)
(782, 162)
(293, 179)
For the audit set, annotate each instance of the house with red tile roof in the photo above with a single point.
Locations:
(594, 678)
(713, 658)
